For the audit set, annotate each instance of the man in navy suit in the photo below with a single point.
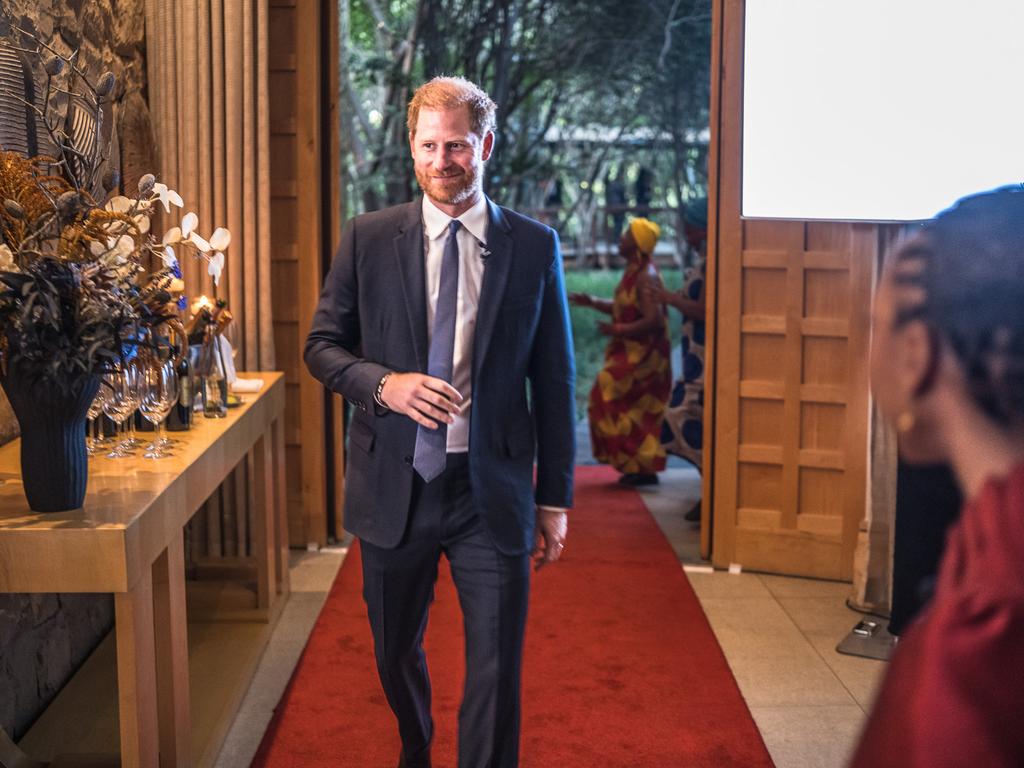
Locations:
(434, 318)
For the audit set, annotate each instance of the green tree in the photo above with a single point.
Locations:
(581, 86)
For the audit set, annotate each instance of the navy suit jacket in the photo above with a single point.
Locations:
(372, 319)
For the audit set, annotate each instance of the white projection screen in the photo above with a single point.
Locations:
(879, 110)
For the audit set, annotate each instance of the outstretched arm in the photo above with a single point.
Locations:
(694, 310)
(594, 302)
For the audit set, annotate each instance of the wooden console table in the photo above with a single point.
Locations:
(128, 540)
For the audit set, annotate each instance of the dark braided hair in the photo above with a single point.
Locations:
(966, 277)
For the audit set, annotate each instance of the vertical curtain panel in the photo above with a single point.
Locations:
(208, 76)
(208, 92)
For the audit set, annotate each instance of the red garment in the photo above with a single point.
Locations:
(954, 694)
(627, 401)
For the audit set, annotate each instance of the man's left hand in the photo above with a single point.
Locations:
(552, 526)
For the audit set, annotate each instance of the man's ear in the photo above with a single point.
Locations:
(488, 146)
(918, 359)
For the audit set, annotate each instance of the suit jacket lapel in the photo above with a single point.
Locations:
(411, 268)
(496, 269)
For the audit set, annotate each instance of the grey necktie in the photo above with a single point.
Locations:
(431, 444)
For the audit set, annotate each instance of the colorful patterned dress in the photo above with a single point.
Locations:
(683, 430)
(627, 402)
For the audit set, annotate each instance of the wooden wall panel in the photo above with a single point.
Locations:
(295, 76)
(789, 382)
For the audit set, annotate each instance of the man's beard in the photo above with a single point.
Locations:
(451, 194)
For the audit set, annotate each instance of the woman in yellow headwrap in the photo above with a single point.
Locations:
(627, 402)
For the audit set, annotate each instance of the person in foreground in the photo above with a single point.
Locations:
(948, 369)
(434, 317)
(627, 401)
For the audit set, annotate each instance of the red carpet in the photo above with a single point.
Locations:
(621, 667)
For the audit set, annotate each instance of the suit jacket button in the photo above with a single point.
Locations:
(408, 460)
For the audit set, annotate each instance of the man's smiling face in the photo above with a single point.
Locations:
(448, 157)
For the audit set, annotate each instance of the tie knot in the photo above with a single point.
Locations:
(454, 226)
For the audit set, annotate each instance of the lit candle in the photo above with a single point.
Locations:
(199, 304)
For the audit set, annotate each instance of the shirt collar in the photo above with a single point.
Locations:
(474, 220)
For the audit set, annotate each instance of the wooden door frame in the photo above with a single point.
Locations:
(334, 219)
(711, 288)
(725, 294)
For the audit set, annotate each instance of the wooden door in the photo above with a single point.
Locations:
(789, 388)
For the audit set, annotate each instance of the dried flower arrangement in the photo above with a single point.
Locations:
(75, 292)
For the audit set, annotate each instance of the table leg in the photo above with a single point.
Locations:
(281, 507)
(136, 675)
(172, 673)
(263, 524)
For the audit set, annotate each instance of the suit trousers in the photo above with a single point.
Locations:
(493, 589)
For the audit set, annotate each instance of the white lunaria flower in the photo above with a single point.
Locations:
(167, 196)
(168, 256)
(116, 253)
(199, 242)
(118, 204)
(220, 240)
(188, 224)
(7, 263)
(163, 194)
(172, 236)
(124, 247)
(216, 267)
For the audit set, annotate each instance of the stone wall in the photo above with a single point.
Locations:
(44, 638)
(111, 35)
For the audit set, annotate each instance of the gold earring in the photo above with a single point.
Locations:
(905, 422)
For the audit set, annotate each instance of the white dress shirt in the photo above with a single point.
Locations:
(471, 237)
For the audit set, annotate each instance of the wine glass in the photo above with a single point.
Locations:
(159, 388)
(95, 410)
(112, 406)
(133, 384)
(120, 404)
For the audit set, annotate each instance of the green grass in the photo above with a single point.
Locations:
(590, 343)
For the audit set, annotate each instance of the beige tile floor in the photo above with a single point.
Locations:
(778, 635)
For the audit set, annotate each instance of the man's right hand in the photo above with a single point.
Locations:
(424, 399)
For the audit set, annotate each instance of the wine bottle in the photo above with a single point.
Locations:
(214, 387)
(180, 417)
